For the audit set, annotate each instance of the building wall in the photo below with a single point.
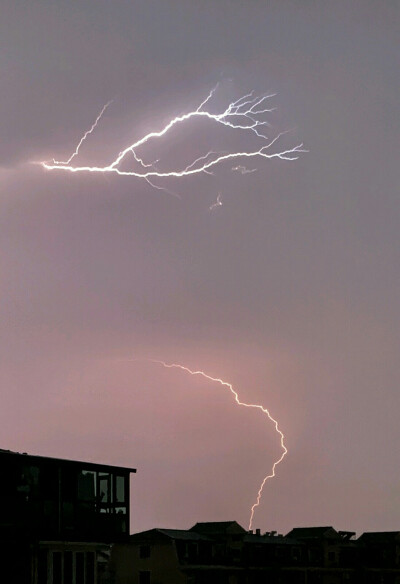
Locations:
(151, 559)
(15, 562)
(129, 567)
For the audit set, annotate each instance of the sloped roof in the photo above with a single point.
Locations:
(158, 534)
(270, 540)
(313, 533)
(37, 459)
(218, 528)
(184, 534)
(380, 537)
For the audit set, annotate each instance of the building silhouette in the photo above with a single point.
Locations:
(58, 518)
(67, 522)
(225, 553)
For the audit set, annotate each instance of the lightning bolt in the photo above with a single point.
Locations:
(218, 203)
(243, 169)
(246, 114)
(246, 405)
(85, 135)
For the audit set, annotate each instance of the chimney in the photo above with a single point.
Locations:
(258, 531)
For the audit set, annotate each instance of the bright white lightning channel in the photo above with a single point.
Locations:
(246, 405)
(247, 115)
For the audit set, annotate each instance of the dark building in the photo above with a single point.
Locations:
(326, 547)
(225, 553)
(160, 555)
(59, 517)
(208, 553)
(380, 557)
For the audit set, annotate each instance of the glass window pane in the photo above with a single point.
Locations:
(144, 551)
(86, 486)
(104, 488)
(80, 568)
(120, 489)
(67, 567)
(68, 516)
(42, 567)
(120, 522)
(89, 568)
(57, 574)
(68, 484)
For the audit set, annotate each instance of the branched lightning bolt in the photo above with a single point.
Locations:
(240, 403)
(245, 114)
(152, 165)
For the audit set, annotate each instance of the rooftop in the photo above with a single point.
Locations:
(175, 534)
(218, 527)
(34, 458)
(313, 532)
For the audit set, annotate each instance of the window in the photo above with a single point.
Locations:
(49, 483)
(296, 553)
(86, 485)
(120, 523)
(68, 484)
(80, 567)
(192, 551)
(144, 577)
(235, 555)
(89, 568)
(67, 567)
(119, 489)
(57, 567)
(104, 487)
(280, 552)
(30, 479)
(104, 492)
(42, 567)
(144, 551)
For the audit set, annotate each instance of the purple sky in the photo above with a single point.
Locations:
(289, 290)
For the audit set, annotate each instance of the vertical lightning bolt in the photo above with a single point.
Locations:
(246, 405)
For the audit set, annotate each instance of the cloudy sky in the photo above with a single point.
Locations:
(289, 290)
